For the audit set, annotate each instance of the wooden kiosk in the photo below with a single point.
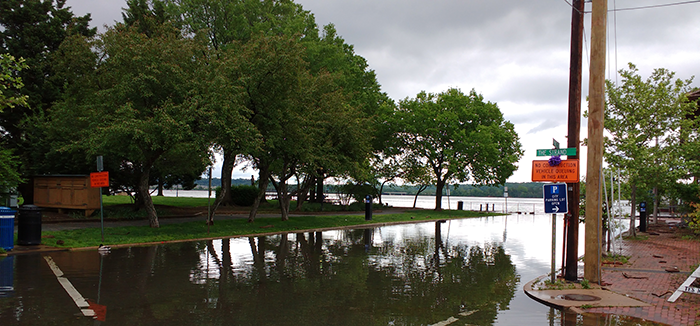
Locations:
(66, 191)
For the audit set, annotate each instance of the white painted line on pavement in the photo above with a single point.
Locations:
(70, 289)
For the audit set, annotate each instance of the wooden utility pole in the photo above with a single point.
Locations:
(571, 219)
(595, 141)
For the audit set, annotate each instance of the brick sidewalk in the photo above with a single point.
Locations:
(645, 277)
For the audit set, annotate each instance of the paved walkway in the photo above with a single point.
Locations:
(657, 266)
(646, 278)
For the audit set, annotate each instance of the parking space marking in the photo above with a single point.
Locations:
(79, 300)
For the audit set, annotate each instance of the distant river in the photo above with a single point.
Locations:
(526, 205)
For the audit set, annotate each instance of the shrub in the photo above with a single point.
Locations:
(359, 191)
(694, 218)
(242, 195)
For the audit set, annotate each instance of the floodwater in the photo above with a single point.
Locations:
(460, 272)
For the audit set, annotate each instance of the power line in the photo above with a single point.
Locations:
(657, 6)
(572, 6)
(642, 7)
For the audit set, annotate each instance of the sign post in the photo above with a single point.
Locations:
(555, 201)
(100, 179)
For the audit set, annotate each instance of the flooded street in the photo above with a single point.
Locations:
(467, 271)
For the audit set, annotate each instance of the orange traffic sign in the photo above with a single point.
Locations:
(99, 179)
(566, 171)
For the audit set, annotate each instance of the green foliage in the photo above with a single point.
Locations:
(242, 195)
(547, 284)
(33, 31)
(649, 131)
(585, 284)
(614, 258)
(359, 191)
(694, 218)
(452, 136)
(10, 83)
(138, 106)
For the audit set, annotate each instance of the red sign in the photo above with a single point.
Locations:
(99, 179)
(566, 171)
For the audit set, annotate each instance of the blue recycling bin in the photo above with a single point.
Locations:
(7, 228)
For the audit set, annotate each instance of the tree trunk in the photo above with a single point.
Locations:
(319, 188)
(147, 200)
(381, 190)
(420, 189)
(438, 194)
(283, 196)
(303, 192)
(263, 179)
(633, 201)
(224, 197)
(160, 187)
(312, 189)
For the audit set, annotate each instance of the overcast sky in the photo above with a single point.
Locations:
(515, 53)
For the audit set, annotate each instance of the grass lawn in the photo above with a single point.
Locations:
(160, 200)
(236, 227)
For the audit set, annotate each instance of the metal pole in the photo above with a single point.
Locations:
(554, 246)
(100, 168)
(102, 218)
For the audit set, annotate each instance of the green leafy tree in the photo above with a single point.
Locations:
(282, 98)
(143, 105)
(362, 92)
(457, 137)
(232, 24)
(229, 25)
(9, 83)
(645, 120)
(33, 30)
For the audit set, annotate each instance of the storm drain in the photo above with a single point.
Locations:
(579, 297)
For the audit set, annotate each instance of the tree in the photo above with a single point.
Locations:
(228, 25)
(33, 30)
(143, 105)
(359, 86)
(645, 120)
(457, 137)
(278, 93)
(10, 82)
(232, 24)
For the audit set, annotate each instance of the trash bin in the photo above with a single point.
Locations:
(7, 228)
(29, 225)
(368, 208)
(460, 205)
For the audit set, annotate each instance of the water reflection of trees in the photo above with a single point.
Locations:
(302, 278)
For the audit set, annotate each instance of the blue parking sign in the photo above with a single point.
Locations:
(555, 199)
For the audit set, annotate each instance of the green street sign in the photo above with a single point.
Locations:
(554, 152)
